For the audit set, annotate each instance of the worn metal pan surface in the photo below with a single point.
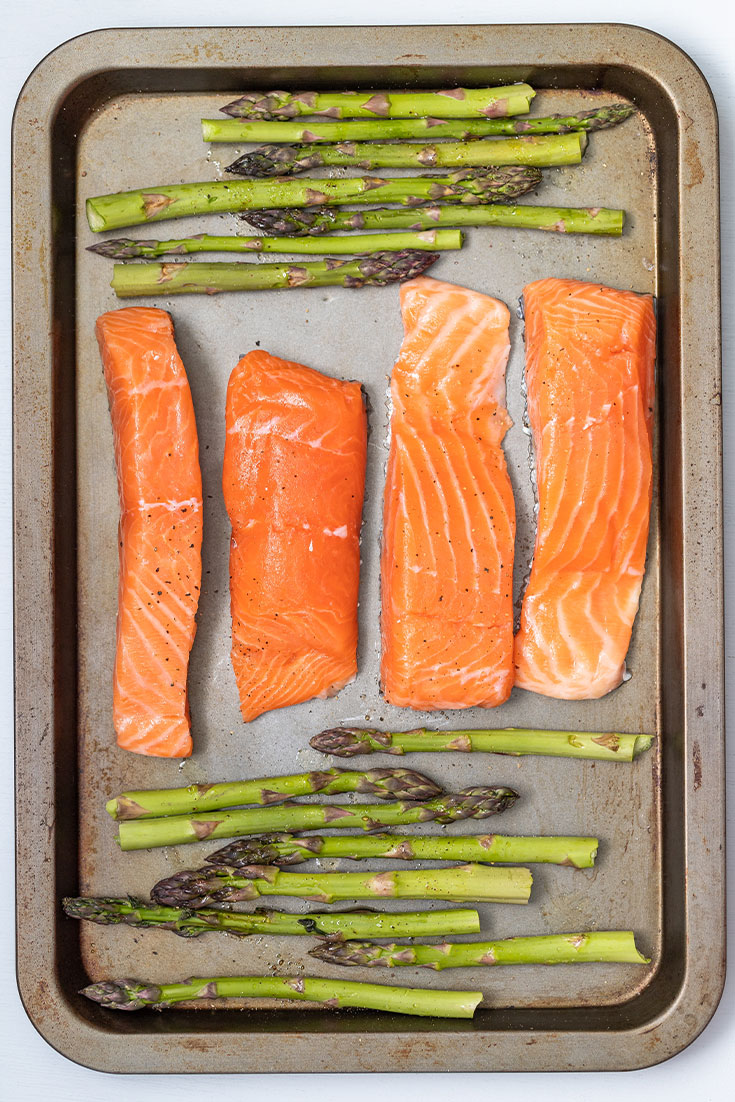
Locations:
(118, 109)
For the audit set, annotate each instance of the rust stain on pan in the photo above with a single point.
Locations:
(697, 763)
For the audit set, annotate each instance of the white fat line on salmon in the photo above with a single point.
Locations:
(601, 420)
(159, 627)
(565, 631)
(465, 675)
(408, 467)
(580, 511)
(271, 428)
(193, 503)
(341, 533)
(155, 384)
(457, 354)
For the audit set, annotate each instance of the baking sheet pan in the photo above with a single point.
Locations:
(118, 109)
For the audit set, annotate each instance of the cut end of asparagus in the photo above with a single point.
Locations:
(641, 744)
(94, 218)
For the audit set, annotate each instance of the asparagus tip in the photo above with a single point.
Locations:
(125, 994)
(386, 267)
(344, 742)
(120, 248)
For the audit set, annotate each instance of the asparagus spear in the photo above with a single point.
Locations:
(183, 277)
(456, 103)
(350, 742)
(288, 849)
(470, 803)
(124, 248)
(128, 994)
(352, 924)
(365, 130)
(598, 946)
(287, 160)
(402, 784)
(319, 220)
(154, 204)
(218, 884)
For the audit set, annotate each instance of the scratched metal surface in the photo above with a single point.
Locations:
(356, 335)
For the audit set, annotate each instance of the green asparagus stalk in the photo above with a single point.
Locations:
(599, 946)
(320, 220)
(183, 277)
(366, 130)
(154, 204)
(172, 830)
(125, 248)
(288, 160)
(352, 924)
(217, 884)
(455, 103)
(401, 784)
(288, 849)
(350, 742)
(129, 994)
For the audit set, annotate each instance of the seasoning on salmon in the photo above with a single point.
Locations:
(449, 518)
(590, 354)
(293, 479)
(160, 534)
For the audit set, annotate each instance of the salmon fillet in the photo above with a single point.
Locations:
(448, 519)
(160, 534)
(590, 354)
(293, 480)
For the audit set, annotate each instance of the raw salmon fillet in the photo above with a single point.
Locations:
(160, 534)
(590, 354)
(293, 480)
(448, 519)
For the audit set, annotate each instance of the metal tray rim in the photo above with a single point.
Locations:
(46, 1003)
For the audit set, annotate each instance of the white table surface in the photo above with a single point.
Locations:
(30, 29)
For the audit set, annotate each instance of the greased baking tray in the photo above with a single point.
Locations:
(120, 108)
